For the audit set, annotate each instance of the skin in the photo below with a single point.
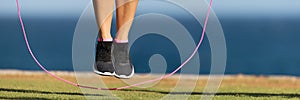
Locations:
(126, 10)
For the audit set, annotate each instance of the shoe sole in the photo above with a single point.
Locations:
(103, 73)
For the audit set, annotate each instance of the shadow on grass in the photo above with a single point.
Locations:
(47, 92)
(24, 98)
(288, 95)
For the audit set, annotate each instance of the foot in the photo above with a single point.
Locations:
(121, 60)
(103, 64)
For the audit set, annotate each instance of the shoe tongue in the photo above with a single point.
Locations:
(121, 46)
(106, 45)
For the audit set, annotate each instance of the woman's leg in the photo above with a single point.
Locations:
(120, 54)
(104, 11)
(125, 14)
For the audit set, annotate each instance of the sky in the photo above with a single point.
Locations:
(229, 8)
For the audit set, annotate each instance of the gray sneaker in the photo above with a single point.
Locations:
(103, 64)
(121, 60)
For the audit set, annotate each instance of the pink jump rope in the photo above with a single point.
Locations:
(119, 88)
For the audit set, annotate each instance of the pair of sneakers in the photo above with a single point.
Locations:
(112, 59)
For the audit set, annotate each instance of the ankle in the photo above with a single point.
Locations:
(105, 39)
(120, 41)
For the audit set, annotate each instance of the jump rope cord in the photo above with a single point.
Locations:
(119, 88)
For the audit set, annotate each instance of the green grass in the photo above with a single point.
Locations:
(235, 88)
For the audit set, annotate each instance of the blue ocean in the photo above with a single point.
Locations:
(264, 45)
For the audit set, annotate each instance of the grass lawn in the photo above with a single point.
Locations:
(41, 86)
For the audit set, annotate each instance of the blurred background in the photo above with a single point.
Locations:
(262, 36)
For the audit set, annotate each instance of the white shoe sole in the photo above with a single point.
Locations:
(103, 73)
